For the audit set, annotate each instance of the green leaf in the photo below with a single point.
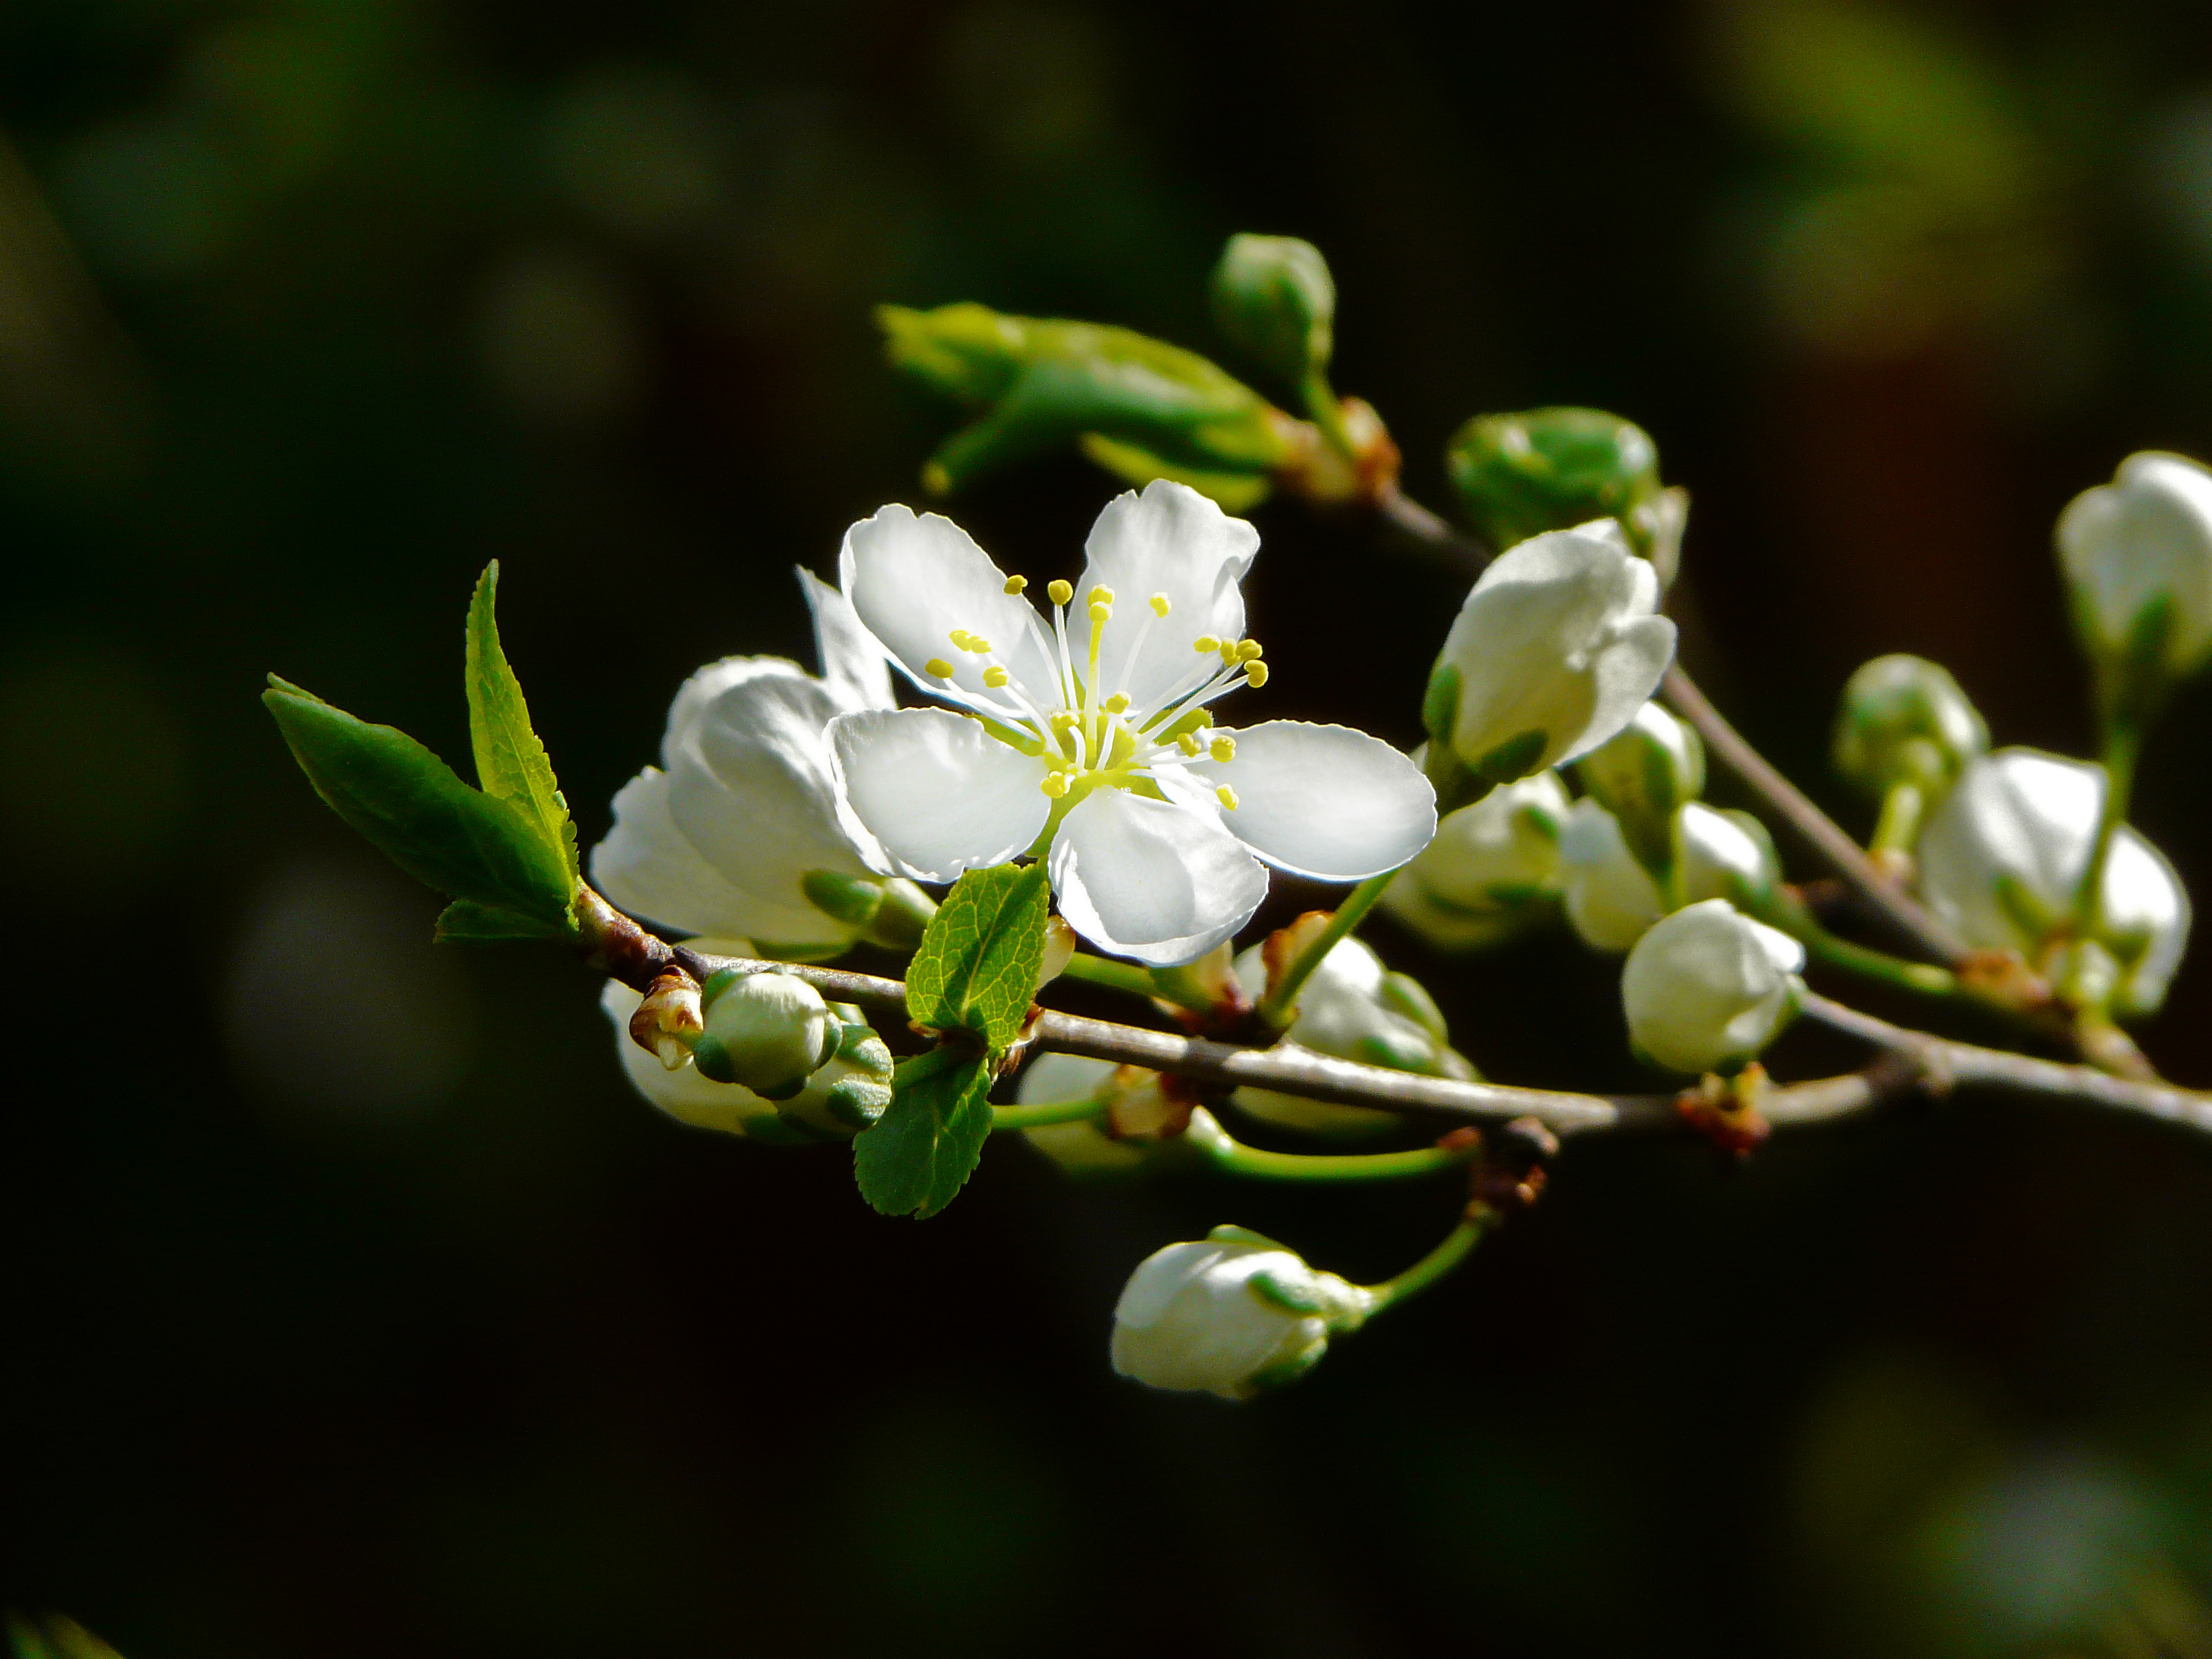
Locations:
(466, 922)
(413, 809)
(920, 1153)
(511, 763)
(977, 967)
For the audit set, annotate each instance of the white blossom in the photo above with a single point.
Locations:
(1554, 651)
(768, 1031)
(1229, 1315)
(1611, 899)
(1491, 867)
(2146, 536)
(1347, 1008)
(1707, 987)
(2002, 859)
(839, 1099)
(718, 838)
(1087, 741)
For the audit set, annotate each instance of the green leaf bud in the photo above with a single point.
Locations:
(1520, 475)
(1137, 406)
(1654, 765)
(768, 1031)
(1273, 298)
(1903, 720)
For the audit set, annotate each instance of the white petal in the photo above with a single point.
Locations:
(854, 665)
(1150, 879)
(938, 791)
(750, 787)
(1623, 673)
(1323, 801)
(684, 1094)
(913, 581)
(647, 867)
(1168, 540)
(2144, 900)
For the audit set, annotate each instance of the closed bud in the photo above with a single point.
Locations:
(768, 1031)
(1612, 898)
(1555, 650)
(1352, 1008)
(1550, 468)
(1492, 869)
(2003, 859)
(841, 1098)
(1903, 720)
(2137, 554)
(1707, 988)
(1274, 299)
(1231, 1315)
(1136, 406)
(1084, 1149)
(1654, 767)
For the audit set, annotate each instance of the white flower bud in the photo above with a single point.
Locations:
(1708, 987)
(1554, 651)
(768, 1031)
(2128, 545)
(1903, 720)
(1611, 898)
(1351, 1007)
(1081, 1149)
(1493, 868)
(2001, 859)
(1652, 767)
(841, 1098)
(1231, 1314)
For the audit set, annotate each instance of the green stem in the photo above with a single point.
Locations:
(1898, 826)
(1431, 1267)
(1328, 412)
(1925, 979)
(1045, 1113)
(1278, 1008)
(2122, 748)
(1232, 1157)
(1125, 977)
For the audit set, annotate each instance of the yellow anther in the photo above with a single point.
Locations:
(1064, 718)
(1160, 606)
(1226, 796)
(995, 677)
(1247, 650)
(939, 667)
(1229, 652)
(1055, 784)
(1101, 594)
(981, 646)
(1116, 704)
(1016, 584)
(959, 637)
(1223, 747)
(1101, 611)
(1188, 744)
(1203, 643)
(1059, 592)
(1256, 674)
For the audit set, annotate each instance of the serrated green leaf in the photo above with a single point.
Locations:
(466, 922)
(512, 764)
(977, 969)
(413, 808)
(918, 1154)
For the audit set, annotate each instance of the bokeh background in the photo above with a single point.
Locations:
(351, 1305)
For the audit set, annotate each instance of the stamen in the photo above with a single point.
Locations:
(1203, 643)
(1102, 611)
(1226, 796)
(1223, 747)
(939, 667)
(995, 677)
(1116, 704)
(1248, 650)
(1255, 673)
(977, 646)
(1101, 594)
(1055, 784)
(1189, 744)
(1229, 652)
(1160, 606)
(1059, 592)
(1016, 584)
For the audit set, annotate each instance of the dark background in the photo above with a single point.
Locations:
(354, 1307)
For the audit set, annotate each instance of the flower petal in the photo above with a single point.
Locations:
(1323, 801)
(1152, 879)
(1623, 673)
(941, 793)
(914, 580)
(854, 665)
(648, 867)
(750, 788)
(1173, 541)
